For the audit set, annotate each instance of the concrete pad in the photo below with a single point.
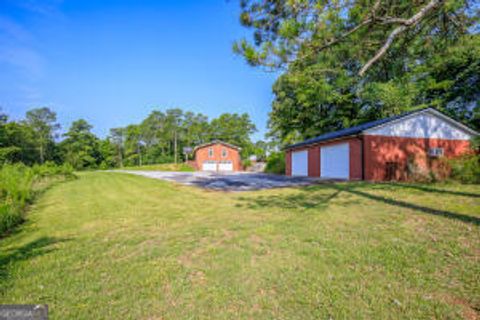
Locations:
(239, 181)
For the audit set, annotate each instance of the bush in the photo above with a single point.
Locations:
(17, 189)
(276, 163)
(104, 166)
(466, 169)
(246, 163)
(51, 169)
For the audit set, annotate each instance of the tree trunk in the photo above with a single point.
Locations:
(139, 151)
(42, 156)
(175, 146)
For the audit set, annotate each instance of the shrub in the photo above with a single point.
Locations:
(15, 186)
(17, 189)
(466, 169)
(276, 163)
(104, 166)
(247, 163)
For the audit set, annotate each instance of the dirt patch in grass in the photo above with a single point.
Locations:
(469, 312)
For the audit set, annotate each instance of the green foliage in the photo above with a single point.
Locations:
(276, 163)
(235, 129)
(161, 137)
(43, 122)
(81, 148)
(15, 187)
(158, 139)
(466, 169)
(434, 64)
(246, 163)
(17, 143)
(17, 183)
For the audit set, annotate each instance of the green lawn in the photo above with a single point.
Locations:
(117, 246)
(162, 167)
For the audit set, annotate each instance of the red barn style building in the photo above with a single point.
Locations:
(217, 156)
(382, 149)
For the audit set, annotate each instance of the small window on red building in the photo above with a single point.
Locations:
(435, 152)
(224, 153)
(210, 152)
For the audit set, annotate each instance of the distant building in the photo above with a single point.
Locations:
(217, 156)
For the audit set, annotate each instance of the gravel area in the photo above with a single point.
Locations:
(241, 181)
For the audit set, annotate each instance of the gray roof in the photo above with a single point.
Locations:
(360, 128)
(215, 142)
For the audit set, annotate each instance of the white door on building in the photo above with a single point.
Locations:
(335, 161)
(209, 166)
(300, 163)
(225, 166)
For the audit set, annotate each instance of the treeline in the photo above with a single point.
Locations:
(160, 138)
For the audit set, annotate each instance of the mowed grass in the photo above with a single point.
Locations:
(118, 246)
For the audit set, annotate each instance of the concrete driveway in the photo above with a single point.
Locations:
(242, 181)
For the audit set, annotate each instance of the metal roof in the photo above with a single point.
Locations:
(361, 128)
(215, 142)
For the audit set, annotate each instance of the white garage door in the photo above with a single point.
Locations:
(225, 166)
(335, 161)
(209, 166)
(300, 163)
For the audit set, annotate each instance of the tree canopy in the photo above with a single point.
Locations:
(346, 62)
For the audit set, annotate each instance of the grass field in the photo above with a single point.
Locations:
(162, 167)
(118, 246)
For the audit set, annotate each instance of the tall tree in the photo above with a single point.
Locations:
(134, 143)
(288, 30)
(43, 121)
(117, 138)
(173, 125)
(235, 129)
(80, 147)
(350, 62)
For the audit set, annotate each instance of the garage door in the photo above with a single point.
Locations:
(335, 161)
(300, 163)
(225, 166)
(209, 166)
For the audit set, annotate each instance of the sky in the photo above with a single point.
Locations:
(113, 62)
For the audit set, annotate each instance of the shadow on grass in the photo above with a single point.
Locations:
(310, 197)
(35, 248)
(408, 205)
(304, 200)
(435, 190)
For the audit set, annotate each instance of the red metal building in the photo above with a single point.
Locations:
(217, 156)
(383, 149)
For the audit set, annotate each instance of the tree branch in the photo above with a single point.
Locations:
(414, 20)
(346, 34)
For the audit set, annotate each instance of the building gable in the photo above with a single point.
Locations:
(426, 124)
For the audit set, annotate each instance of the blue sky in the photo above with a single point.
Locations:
(112, 62)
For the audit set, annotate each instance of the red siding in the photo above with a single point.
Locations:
(378, 150)
(356, 160)
(233, 155)
(288, 163)
(314, 161)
